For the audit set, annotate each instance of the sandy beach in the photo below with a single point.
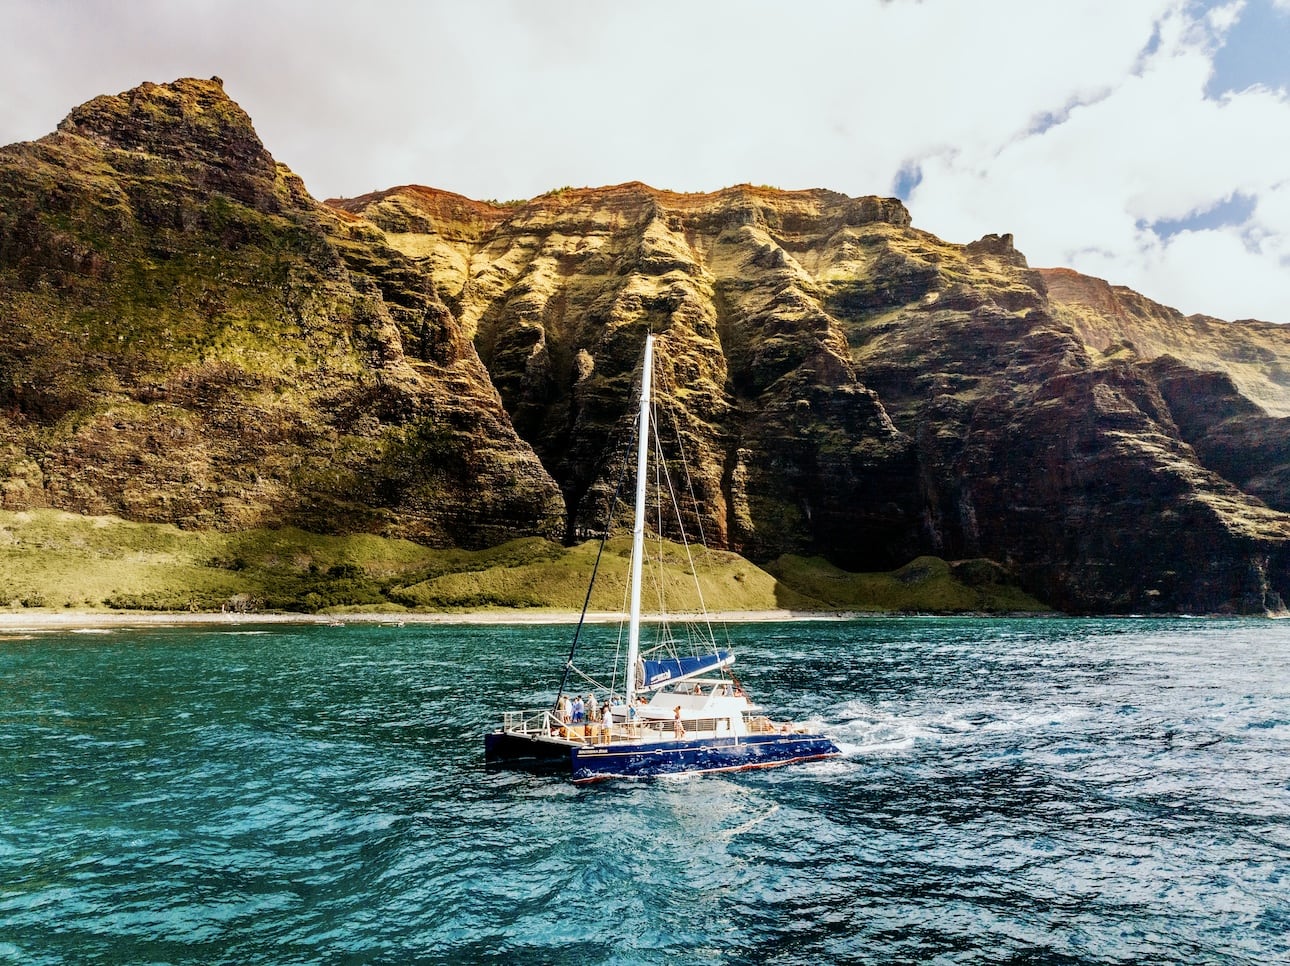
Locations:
(11, 621)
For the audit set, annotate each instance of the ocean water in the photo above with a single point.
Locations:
(1012, 791)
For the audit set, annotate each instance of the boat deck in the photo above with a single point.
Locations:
(546, 725)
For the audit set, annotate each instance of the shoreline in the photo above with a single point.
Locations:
(16, 622)
(11, 621)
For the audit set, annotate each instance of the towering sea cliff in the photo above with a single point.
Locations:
(862, 390)
(189, 337)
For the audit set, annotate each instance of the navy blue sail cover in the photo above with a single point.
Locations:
(659, 672)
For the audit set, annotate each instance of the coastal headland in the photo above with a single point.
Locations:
(412, 400)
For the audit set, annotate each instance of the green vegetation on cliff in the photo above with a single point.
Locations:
(51, 560)
(925, 584)
(188, 338)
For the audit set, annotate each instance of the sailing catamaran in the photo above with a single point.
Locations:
(675, 714)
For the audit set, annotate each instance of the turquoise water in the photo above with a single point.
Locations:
(1012, 791)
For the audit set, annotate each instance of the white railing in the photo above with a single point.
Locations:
(539, 722)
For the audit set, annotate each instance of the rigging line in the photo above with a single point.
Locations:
(586, 603)
(685, 463)
(662, 633)
(680, 525)
(694, 503)
(667, 639)
(594, 682)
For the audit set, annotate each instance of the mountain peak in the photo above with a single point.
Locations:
(189, 119)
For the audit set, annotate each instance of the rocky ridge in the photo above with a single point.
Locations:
(189, 337)
(862, 390)
(1114, 320)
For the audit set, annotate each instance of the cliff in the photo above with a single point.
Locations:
(190, 338)
(1113, 319)
(1227, 384)
(859, 389)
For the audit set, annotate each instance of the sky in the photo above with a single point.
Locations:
(1146, 142)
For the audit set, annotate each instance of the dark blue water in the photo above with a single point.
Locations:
(1013, 791)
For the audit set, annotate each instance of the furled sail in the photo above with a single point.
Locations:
(656, 673)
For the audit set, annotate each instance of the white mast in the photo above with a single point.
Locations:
(638, 526)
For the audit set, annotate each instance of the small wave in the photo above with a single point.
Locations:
(871, 728)
(845, 766)
(751, 823)
(851, 749)
(92, 630)
(868, 729)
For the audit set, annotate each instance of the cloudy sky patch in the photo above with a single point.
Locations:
(1141, 142)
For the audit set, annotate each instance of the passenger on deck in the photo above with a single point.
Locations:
(677, 727)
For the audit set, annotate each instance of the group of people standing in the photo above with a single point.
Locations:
(580, 709)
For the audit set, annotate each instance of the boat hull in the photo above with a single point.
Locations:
(528, 753)
(600, 762)
(597, 763)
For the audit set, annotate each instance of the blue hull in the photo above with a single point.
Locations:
(526, 753)
(596, 763)
(590, 763)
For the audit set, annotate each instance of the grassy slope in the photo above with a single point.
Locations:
(55, 560)
(924, 584)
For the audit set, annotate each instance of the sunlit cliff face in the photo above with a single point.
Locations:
(191, 338)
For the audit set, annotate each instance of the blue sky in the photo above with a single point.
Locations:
(1255, 50)
(1141, 141)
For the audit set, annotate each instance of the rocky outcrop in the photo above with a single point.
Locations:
(1231, 435)
(1115, 320)
(779, 434)
(851, 387)
(190, 338)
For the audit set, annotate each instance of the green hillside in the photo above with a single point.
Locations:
(56, 561)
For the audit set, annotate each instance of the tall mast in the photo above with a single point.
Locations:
(638, 526)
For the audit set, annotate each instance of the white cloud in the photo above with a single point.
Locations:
(1086, 192)
(1072, 125)
(1224, 18)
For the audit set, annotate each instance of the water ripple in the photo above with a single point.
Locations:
(1071, 792)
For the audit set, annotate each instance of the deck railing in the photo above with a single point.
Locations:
(544, 721)
(539, 722)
